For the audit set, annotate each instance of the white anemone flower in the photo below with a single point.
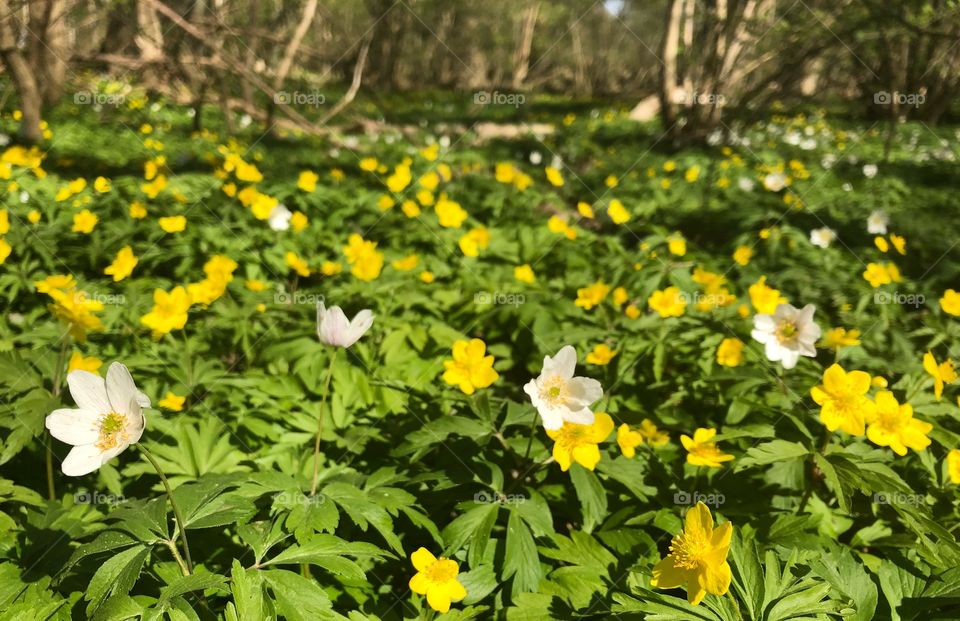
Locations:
(775, 181)
(279, 219)
(869, 171)
(787, 334)
(822, 237)
(877, 223)
(334, 329)
(108, 418)
(558, 395)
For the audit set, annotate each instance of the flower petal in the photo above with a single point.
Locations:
(74, 426)
(82, 460)
(89, 391)
(121, 390)
(422, 559)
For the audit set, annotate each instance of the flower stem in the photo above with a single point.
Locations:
(812, 466)
(533, 430)
(316, 444)
(736, 604)
(57, 386)
(176, 509)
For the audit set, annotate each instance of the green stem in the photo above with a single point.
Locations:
(316, 444)
(173, 503)
(736, 604)
(533, 430)
(812, 482)
(57, 386)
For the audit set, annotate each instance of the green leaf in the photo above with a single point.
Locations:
(521, 560)
(116, 575)
(771, 452)
(592, 495)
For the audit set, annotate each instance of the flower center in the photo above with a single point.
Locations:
(442, 570)
(554, 391)
(113, 431)
(787, 331)
(689, 549)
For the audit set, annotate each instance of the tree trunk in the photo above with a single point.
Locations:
(49, 47)
(670, 51)
(23, 77)
(521, 56)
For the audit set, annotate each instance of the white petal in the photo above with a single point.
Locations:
(552, 419)
(764, 322)
(761, 335)
(773, 350)
(74, 426)
(563, 363)
(82, 460)
(533, 391)
(790, 358)
(581, 417)
(89, 391)
(360, 324)
(120, 388)
(333, 326)
(584, 390)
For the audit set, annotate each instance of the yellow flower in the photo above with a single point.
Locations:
(697, 558)
(169, 311)
(407, 263)
(470, 368)
(474, 241)
(578, 443)
(77, 310)
(261, 308)
(742, 255)
(307, 181)
(79, 363)
(692, 174)
(668, 302)
(878, 381)
(893, 425)
(611, 181)
(617, 212)
(620, 296)
(899, 243)
(137, 210)
(652, 435)
(632, 312)
(585, 210)
(669, 166)
(765, 299)
(34, 216)
(950, 302)
(101, 185)
(437, 579)
(365, 260)
(172, 402)
(665, 184)
(122, 265)
(55, 283)
(425, 198)
(677, 245)
(173, 224)
(838, 338)
(369, 164)
(702, 451)
(330, 268)
(410, 209)
(942, 373)
(881, 243)
(153, 189)
(5, 250)
(628, 440)
(255, 284)
(337, 175)
(730, 353)
(554, 176)
(556, 224)
(881, 274)
(592, 295)
(427, 276)
(450, 213)
(298, 265)
(385, 202)
(429, 181)
(84, 222)
(4, 222)
(400, 179)
(953, 465)
(843, 400)
(299, 221)
(601, 355)
(524, 273)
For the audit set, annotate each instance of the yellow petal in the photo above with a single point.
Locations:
(422, 559)
(587, 455)
(438, 598)
(698, 522)
(419, 584)
(715, 580)
(666, 575)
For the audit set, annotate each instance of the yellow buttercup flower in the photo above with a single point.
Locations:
(881, 243)
(585, 210)
(255, 284)
(34, 216)
(620, 296)
(169, 311)
(297, 264)
(669, 302)
(450, 213)
(628, 440)
(437, 579)
(299, 221)
(764, 298)
(953, 466)
(579, 443)
(878, 274)
(556, 224)
(385, 202)
(427, 276)
(942, 373)
(307, 181)
(838, 338)
(407, 263)
(611, 181)
(843, 400)
(631, 311)
(950, 302)
(702, 451)
(524, 273)
(79, 363)
(365, 260)
(122, 265)
(101, 185)
(369, 164)
(652, 435)
(893, 425)
(470, 368)
(554, 176)
(5, 250)
(730, 352)
(172, 402)
(410, 209)
(899, 243)
(474, 241)
(617, 212)
(173, 224)
(77, 310)
(84, 222)
(742, 255)
(330, 268)
(592, 295)
(601, 355)
(137, 210)
(400, 179)
(677, 245)
(697, 558)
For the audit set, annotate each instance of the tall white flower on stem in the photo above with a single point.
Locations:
(787, 334)
(334, 329)
(559, 396)
(108, 418)
(877, 223)
(822, 237)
